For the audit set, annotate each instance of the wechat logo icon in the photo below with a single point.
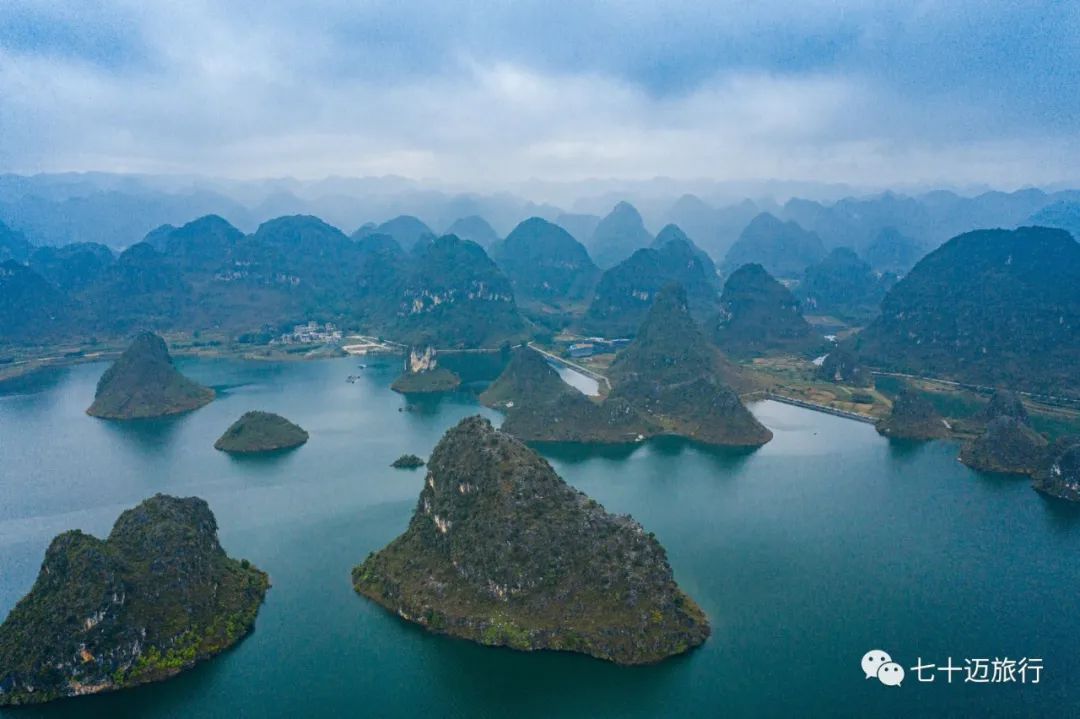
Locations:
(878, 663)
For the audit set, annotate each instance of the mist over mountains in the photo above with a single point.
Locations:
(119, 210)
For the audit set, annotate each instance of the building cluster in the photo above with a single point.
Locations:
(310, 333)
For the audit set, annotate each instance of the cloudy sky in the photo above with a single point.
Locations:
(482, 93)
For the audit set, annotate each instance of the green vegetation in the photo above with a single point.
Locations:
(545, 264)
(669, 380)
(156, 597)
(501, 551)
(843, 367)
(892, 251)
(992, 307)
(1009, 445)
(408, 461)
(627, 291)
(913, 417)
(759, 316)
(455, 296)
(260, 432)
(843, 285)
(144, 383)
(1059, 476)
(430, 381)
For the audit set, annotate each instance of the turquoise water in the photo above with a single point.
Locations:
(825, 543)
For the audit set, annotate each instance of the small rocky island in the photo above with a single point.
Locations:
(422, 374)
(668, 381)
(913, 417)
(501, 551)
(1060, 474)
(257, 432)
(407, 461)
(1009, 445)
(152, 600)
(143, 383)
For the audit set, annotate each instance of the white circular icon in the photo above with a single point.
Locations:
(873, 660)
(890, 674)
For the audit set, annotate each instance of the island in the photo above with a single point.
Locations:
(153, 599)
(423, 375)
(501, 551)
(257, 432)
(407, 461)
(913, 416)
(143, 383)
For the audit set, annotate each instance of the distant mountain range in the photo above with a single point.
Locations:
(990, 307)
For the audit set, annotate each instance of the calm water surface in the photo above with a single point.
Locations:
(827, 542)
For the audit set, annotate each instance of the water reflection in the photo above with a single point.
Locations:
(37, 381)
(150, 437)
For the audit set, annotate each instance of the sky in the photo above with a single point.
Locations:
(481, 94)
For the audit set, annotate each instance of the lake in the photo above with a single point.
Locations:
(825, 543)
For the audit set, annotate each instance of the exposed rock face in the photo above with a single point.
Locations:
(456, 296)
(759, 316)
(143, 383)
(545, 263)
(501, 551)
(913, 417)
(1060, 474)
(422, 374)
(260, 432)
(842, 367)
(155, 598)
(1008, 446)
(991, 307)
